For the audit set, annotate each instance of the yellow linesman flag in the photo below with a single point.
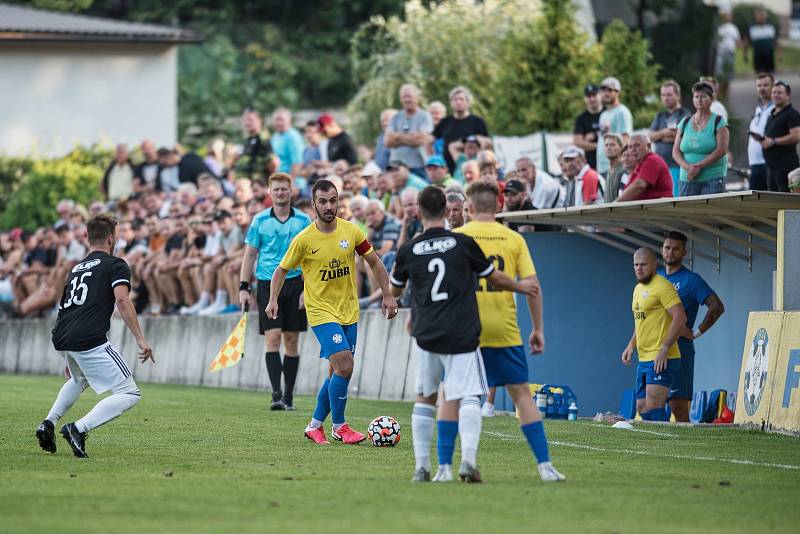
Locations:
(233, 349)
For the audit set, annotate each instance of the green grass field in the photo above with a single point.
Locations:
(190, 459)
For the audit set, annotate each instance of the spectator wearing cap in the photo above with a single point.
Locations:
(382, 152)
(781, 135)
(665, 127)
(437, 172)
(409, 131)
(516, 199)
(586, 133)
(368, 173)
(256, 147)
(462, 124)
(543, 191)
(462, 151)
(340, 144)
(651, 177)
(616, 118)
(118, 179)
(584, 185)
(287, 142)
(701, 146)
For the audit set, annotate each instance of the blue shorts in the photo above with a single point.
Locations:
(683, 387)
(335, 337)
(646, 375)
(505, 365)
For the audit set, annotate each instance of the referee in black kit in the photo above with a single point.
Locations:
(92, 289)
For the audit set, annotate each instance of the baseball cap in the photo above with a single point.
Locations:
(611, 83)
(371, 169)
(514, 186)
(571, 152)
(396, 163)
(590, 89)
(471, 139)
(324, 120)
(435, 161)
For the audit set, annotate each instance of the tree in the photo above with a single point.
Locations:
(76, 176)
(437, 48)
(544, 65)
(625, 54)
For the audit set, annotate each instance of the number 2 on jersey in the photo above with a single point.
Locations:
(437, 264)
(78, 291)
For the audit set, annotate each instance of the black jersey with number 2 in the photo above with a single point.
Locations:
(442, 267)
(84, 313)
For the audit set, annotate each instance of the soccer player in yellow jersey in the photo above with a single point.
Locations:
(501, 343)
(325, 252)
(659, 318)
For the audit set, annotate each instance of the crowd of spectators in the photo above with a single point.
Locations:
(184, 217)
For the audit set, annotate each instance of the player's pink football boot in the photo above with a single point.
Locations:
(348, 435)
(317, 435)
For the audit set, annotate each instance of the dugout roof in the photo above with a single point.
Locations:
(739, 224)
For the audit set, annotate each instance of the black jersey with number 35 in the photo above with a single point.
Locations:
(442, 267)
(84, 313)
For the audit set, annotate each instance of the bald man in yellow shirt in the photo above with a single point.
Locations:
(658, 317)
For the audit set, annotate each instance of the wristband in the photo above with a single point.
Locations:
(244, 286)
(697, 333)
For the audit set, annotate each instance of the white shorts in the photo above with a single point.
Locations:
(103, 367)
(464, 375)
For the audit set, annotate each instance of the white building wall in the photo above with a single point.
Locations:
(54, 96)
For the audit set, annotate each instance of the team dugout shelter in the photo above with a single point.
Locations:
(746, 245)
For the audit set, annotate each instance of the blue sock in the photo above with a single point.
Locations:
(446, 441)
(323, 403)
(534, 433)
(646, 416)
(337, 392)
(659, 414)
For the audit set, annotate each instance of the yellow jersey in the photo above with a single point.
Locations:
(329, 270)
(497, 308)
(650, 304)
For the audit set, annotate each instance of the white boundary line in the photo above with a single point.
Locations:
(653, 432)
(647, 453)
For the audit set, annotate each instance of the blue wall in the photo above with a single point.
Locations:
(587, 289)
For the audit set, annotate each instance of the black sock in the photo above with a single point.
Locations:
(290, 365)
(273, 360)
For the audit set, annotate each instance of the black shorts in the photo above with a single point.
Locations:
(290, 318)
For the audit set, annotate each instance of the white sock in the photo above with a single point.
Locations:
(423, 420)
(205, 298)
(469, 428)
(314, 424)
(222, 297)
(107, 409)
(67, 396)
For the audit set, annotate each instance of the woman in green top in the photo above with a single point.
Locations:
(701, 146)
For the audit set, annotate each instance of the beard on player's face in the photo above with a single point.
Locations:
(326, 215)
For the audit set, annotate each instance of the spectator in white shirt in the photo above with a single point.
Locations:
(755, 152)
(543, 190)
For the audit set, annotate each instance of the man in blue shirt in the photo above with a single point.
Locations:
(287, 142)
(693, 291)
(268, 239)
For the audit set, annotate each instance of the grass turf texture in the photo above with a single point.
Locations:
(194, 459)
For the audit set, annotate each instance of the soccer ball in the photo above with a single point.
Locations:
(384, 431)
